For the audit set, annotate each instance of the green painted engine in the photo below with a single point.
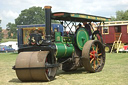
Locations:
(69, 48)
(65, 44)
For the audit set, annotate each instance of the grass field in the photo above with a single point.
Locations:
(115, 72)
(6, 40)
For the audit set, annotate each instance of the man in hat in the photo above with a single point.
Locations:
(88, 28)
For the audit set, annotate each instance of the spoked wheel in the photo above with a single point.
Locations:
(93, 56)
(33, 66)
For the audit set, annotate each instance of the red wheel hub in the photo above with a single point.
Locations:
(93, 54)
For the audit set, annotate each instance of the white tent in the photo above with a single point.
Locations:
(12, 44)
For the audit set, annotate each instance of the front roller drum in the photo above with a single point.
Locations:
(33, 65)
(93, 56)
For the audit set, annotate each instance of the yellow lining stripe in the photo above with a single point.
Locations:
(65, 50)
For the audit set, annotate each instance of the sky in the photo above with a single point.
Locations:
(10, 9)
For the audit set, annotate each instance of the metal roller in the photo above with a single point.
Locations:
(33, 65)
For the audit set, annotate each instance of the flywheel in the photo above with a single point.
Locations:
(93, 56)
(81, 37)
(31, 66)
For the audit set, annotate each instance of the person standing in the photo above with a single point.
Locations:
(88, 28)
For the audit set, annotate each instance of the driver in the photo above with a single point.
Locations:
(35, 37)
(88, 28)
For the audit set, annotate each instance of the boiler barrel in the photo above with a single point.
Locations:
(64, 50)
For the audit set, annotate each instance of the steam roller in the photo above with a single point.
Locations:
(34, 66)
(42, 50)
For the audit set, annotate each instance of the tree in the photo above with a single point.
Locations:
(120, 15)
(1, 34)
(125, 16)
(11, 27)
(33, 15)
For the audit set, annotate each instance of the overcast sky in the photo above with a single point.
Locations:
(10, 9)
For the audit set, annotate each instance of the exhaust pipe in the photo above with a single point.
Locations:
(48, 23)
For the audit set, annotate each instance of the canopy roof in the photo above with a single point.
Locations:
(78, 17)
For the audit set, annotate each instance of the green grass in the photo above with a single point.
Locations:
(115, 72)
(6, 40)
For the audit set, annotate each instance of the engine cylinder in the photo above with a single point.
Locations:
(64, 50)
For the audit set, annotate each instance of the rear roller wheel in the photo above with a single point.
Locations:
(35, 60)
(93, 56)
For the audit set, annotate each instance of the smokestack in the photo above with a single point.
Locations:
(48, 23)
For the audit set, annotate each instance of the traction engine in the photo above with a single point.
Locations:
(40, 57)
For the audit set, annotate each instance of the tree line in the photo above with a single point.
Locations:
(36, 15)
(1, 34)
(33, 15)
(120, 15)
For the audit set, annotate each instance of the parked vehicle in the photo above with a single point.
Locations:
(12, 44)
(4, 48)
(115, 32)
